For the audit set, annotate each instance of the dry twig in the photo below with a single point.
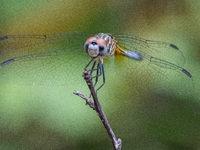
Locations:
(117, 144)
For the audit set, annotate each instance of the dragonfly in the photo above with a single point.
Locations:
(58, 59)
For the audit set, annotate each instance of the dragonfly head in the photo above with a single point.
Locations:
(95, 47)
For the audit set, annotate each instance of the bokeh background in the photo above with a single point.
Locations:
(48, 117)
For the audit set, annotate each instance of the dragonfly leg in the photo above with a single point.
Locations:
(93, 66)
(88, 64)
(102, 68)
(97, 73)
(91, 70)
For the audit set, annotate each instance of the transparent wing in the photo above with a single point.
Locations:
(59, 59)
(157, 49)
(160, 69)
(54, 59)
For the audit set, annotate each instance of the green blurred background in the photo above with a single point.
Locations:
(48, 117)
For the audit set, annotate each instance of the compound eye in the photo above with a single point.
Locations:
(91, 39)
(86, 46)
(102, 50)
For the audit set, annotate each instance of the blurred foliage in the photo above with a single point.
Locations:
(47, 117)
